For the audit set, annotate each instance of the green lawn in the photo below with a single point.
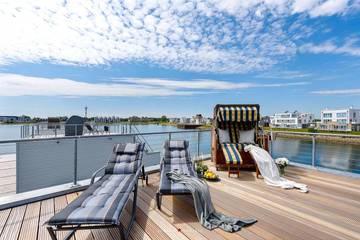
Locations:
(309, 130)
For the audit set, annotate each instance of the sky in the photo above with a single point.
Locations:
(177, 58)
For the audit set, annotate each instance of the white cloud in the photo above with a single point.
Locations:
(330, 7)
(212, 36)
(20, 85)
(354, 91)
(209, 84)
(329, 47)
(300, 6)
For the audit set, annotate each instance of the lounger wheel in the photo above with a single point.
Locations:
(158, 200)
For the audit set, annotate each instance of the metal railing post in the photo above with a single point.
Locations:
(32, 131)
(198, 143)
(270, 142)
(75, 161)
(169, 136)
(313, 151)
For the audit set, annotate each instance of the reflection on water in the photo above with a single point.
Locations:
(345, 157)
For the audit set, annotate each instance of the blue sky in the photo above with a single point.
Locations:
(177, 58)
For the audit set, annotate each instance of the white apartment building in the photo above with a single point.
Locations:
(344, 119)
(291, 120)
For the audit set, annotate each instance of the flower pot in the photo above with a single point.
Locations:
(281, 170)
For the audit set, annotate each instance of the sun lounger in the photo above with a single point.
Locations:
(175, 158)
(101, 205)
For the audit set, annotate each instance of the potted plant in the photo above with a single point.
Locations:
(281, 163)
(201, 168)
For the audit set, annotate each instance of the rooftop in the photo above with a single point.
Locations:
(329, 211)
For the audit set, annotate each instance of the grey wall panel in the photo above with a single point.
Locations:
(44, 163)
(93, 153)
(48, 163)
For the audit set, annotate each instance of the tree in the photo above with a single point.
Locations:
(164, 119)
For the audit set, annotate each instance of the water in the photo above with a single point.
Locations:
(338, 156)
(345, 157)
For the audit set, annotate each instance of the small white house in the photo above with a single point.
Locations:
(198, 119)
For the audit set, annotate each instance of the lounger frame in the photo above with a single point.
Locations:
(124, 232)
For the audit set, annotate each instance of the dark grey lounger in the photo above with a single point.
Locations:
(101, 205)
(175, 157)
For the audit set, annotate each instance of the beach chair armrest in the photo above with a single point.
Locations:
(96, 173)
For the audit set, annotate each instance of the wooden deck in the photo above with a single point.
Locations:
(331, 210)
(7, 174)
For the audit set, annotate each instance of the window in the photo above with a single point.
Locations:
(354, 114)
(327, 115)
(341, 115)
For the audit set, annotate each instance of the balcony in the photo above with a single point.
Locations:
(329, 211)
(36, 183)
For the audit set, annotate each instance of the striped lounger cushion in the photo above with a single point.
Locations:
(175, 158)
(231, 153)
(103, 201)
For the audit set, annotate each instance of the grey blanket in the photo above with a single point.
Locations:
(204, 208)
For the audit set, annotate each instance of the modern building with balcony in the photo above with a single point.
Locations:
(291, 120)
(342, 120)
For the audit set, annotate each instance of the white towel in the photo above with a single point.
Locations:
(269, 170)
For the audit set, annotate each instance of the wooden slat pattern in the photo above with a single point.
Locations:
(13, 224)
(29, 229)
(331, 210)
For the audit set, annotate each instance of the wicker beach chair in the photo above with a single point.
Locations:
(231, 123)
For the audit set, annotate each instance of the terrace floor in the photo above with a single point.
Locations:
(331, 210)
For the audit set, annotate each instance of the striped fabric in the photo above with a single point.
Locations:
(231, 153)
(175, 158)
(238, 114)
(169, 187)
(127, 148)
(123, 160)
(103, 201)
(176, 151)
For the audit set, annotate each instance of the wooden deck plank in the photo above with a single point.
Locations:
(331, 210)
(303, 203)
(29, 229)
(4, 215)
(281, 208)
(13, 224)
(46, 212)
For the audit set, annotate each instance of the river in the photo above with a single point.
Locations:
(345, 157)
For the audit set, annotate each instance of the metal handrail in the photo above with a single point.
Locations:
(316, 134)
(147, 144)
(97, 136)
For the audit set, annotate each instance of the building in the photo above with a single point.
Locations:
(198, 119)
(14, 119)
(291, 120)
(184, 120)
(265, 121)
(346, 119)
(174, 120)
(305, 119)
